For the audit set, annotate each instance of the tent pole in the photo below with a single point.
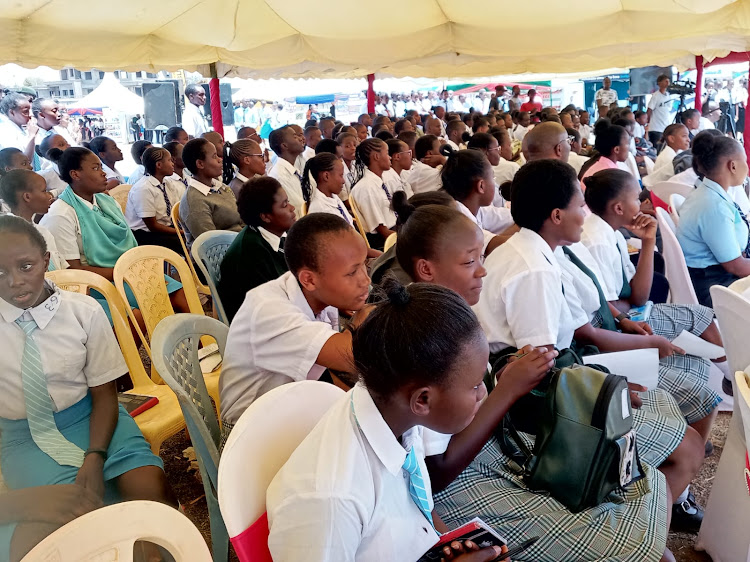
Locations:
(213, 87)
(370, 93)
(698, 82)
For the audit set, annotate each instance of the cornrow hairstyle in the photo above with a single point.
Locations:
(540, 187)
(194, 150)
(605, 186)
(238, 150)
(305, 240)
(152, 156)
(137, 150)
(256, 198)
(323, 162)
(16, 225)
(6, 159)
(413, 336)
(461, 170)
(72, 159)
(363, 155)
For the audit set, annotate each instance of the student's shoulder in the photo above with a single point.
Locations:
(82, 306)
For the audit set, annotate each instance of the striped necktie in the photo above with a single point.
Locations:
(163, 188)
(39, 411)
(416, 485)
(387, 193)
(343, 214)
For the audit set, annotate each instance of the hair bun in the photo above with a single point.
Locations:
(396, 292)
(447, 150)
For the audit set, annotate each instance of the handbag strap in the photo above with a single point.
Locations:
(513, 446)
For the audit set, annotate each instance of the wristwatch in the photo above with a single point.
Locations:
(620, 317)
(101, 452)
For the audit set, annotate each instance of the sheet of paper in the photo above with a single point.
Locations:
(694, 345)
(639, 366)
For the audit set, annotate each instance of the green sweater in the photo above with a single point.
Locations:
(249, 262)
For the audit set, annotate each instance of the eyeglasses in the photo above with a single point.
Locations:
(569, 140)
(261, 155)
(403, 152)
(491, 149)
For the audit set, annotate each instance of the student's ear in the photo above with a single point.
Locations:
(556, 216)
(26, 196)
(200, 164)
(420, 401)
(479, 186)
(617, 208)
(308, 279)
(74, 174)
(46, 260)
(424, 270)
(265, 217)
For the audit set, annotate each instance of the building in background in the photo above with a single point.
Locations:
(74, 84)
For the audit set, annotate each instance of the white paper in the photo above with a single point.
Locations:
(639, 366)
(693, 345)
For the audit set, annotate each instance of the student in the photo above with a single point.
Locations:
(150, 201)
(714, 236)
(362, 132)
(89, 227)
(385, 422)
(288, 146)
(428, 162)
(175, 150)
(677, 139)
(256, 256)
(207, 203)
(506, 169)
(489, 146)
(13, 159)
(14, 116)
(247, 157)
(89, 440)
(193, 118)
(51, 148)
(401, 163)
(136, 151)
(522, 125)
(312, 137)
(612, 146)
(574, 158)
(322, 196)
(454, 132)
(176, 134)
(348, 144)
(330, 146)
(25, 194)
(372, 194)
(288, 329)
(109, 154)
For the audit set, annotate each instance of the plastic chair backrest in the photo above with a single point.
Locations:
(142, 269)
(675, 203)
(81, 281)
(733, 314)
(389, 242)
(202, 288)
(742, 386)
(120, 194)
(208, 251)
(358, 218)
(664, 189)
(110, 533)
(261, 442)
(680, 285)
(175, 355)
(303, 210)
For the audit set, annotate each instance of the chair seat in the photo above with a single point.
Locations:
(163, 420)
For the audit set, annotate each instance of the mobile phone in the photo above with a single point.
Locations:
(517, 549)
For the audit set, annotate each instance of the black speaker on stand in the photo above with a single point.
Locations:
(162, 106)
(227, 111)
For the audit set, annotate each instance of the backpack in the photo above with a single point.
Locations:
(585, 442)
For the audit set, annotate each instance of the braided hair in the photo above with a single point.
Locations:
(364, 154)
(323, 162)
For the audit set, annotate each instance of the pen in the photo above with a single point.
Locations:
(516, 550)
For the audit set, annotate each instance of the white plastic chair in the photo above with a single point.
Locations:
(109, 533)
(723, 533)
(208, 251)
(681, 289)
(733, 313)
(675, 203)
(664, 189)
(261, 442)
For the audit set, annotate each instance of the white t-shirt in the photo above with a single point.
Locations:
(11, 135)
(77, 347)
(146, 200)
(585, 131)
(577, 161)
(396, 182)
(289, 178)
(661, 111)
(373, 202)
(274, 339)
(605, 97)
(486, 234)
(343, 494)
(610, 250)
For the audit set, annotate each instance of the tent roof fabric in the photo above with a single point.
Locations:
(113, 95)
(338, 39)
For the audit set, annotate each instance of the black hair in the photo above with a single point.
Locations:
(424, 144)
(394, 146)
(44, 147)
(14, 183)
(256, 198)
(540, 187)
(662, 77)
(194, 150)
(671, 130)
(608, 138)
(399, 126)
(323, 162)
(601, 124)
(460, 171)
(414, 336)
(192, 89)
(137, 150)
(310, 123)
(72, 159)
(310, 129)
(341, 137)
(36, 105)
(574, 133)
(639, 113)
(404, 206)
(481, 141)
(172, 134)
(97, 145)
(365, 150)
(304, 244)
(54, 155)
(604, 186)
(708, 150)
(622, 122)
(336, 130)
(479, 122)
(171, 147)
(455, 126)
(17, 225)
(276, 139)
(327, 145)
(11, 102)
(6, 158)
(384, 134)
(151, 157)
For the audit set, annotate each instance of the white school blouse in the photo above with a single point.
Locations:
(321, 203)
(274, 339)
(424, 178)
(112, 174)
(348, 179)
(343, 495)
(663, 167)
(146, 200)
(137, 174)
(609, 249)
(581, 294)
(522, 300)
(373, 202)
(505, 171)
(486, 234)
(396, 182)
(290, 179)
(62, 222)
(76, 343)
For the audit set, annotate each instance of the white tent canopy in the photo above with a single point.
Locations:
(344, 39)
(113, 95)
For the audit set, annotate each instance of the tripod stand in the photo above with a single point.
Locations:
(726, 121)
(680, 110)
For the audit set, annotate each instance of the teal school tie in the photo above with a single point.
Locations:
(416, 485)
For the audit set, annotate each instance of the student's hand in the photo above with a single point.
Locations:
(32, 128)
(57, 504)
(483, 555)
(629, 326)
(666, 348)
(635, 400)
(522, 374)
(434, 160)
(644, 227)
(91, 475)
(361, 314)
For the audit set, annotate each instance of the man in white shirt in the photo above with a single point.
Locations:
(427, 102)
(193, 119)
(606, 95)
(15, 114)
(454, 130)
(659, 110)
(287, 145)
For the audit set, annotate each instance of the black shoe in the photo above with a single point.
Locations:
(709, 449)
(687, 516)
(726, 387)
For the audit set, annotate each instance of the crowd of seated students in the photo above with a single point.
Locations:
(499, 249)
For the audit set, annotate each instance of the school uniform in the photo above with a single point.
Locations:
(55, 184)
(112, 174)
(373, 198)
(205, 208)
(194, 121)
(137, 174)
(344, 492)
(396, 181)
(603, 163)
(56, 261)
(630, 166)
(505, 171)
(253, 258)
(77, 350)
(585, 131)
(577, 161)
(307, 154)
(519, 132)
(349, 175)
(321, 203)
(453, 145)
(423, 178)
(290, 179)
(11, 135)
(150, 199)
(236, 184)
(275, 338)
(663, 167)
(486, 234)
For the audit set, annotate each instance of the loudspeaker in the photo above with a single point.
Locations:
(227, 111)
(161, 103)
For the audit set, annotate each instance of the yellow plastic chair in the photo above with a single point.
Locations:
(142, 269)
(202, 288)
(163, 420)
(358, 219)
(120, 194)
(389, 242)
(303, 211)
